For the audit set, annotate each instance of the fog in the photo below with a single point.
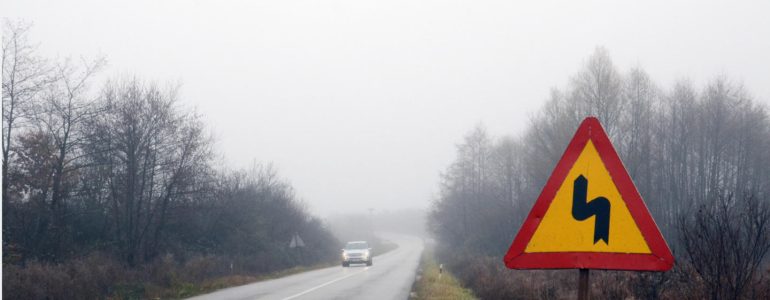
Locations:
(359, 104)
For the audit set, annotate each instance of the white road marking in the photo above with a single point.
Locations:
(323, 285)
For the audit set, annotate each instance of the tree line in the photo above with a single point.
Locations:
(698, 156)
(125, 169)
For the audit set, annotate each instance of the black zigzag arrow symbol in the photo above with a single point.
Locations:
(599, 207)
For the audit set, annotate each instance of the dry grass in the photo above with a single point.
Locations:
(432, 284)
(101, 277)
(488, 278)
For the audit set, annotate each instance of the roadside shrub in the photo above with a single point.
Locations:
(200, 268)
(90, 277)
(99, 276)
(726, 241)
(490, 279)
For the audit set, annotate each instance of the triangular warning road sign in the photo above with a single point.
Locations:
(589, 215)
(296, 241)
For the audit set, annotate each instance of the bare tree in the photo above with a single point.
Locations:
(726, 242)
(675, 134)
(25, 75)
(597, 91)
(155, 152)
(66, 108)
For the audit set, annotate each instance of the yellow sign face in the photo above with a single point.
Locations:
(588, 214)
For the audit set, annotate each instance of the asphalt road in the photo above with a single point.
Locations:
(390, 277)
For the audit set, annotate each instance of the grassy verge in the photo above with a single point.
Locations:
(433, 284)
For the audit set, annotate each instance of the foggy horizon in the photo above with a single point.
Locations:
(360, 104)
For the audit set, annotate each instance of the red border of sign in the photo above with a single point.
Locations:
(659, 260)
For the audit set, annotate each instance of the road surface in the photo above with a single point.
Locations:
(390, 277)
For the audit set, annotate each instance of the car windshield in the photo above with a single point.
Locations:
(356, 246)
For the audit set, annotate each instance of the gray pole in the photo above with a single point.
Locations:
(583, 285)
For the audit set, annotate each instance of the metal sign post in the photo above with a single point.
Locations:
(583, 285)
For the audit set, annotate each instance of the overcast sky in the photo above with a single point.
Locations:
(360, 103)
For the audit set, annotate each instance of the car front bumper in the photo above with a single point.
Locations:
(359, 259)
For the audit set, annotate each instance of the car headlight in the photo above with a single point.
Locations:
(344, 255)
(366, 254)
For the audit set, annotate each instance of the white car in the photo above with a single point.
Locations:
(356, 252)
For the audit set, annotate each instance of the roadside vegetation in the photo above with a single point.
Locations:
(433, 284)
(697, 154)
(115, 190)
